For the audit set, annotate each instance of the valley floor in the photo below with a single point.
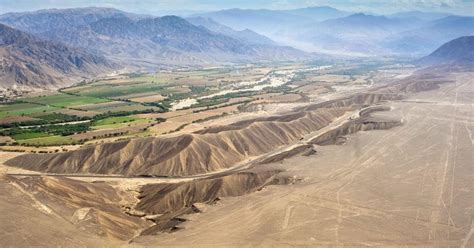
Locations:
(410, 185)
(407, 186)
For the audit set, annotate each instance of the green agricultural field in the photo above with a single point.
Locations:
(29, 135)
(64, 100)
(19, 109)
(147, 79)
(118, 122)
(103, 107)
(57, 117)
(117, 106)
(48, 141)
(108, 91)
(130, 108)
(114, 120)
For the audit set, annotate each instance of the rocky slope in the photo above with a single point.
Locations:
(40, 21)
(160, 40)
(27, 61)
(168, 39)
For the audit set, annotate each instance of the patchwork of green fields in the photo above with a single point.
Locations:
(64, 100)
(53, 119)
(24, 109)
(46, 129)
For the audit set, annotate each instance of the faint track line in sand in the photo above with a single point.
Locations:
(356, 167)
(354, 210)
(286, 219)
(469, 130)
(435, 214)
(37, 204)
(468, 236)
(423, 183)
(453, 159)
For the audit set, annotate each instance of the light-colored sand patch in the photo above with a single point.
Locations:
(151, 98)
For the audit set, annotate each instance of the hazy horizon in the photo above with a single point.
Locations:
(458, 7)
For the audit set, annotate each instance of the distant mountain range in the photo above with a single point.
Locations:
(29, 62)
(50, 19)
(46, 45)
(425, 16)
(381, 35)
(358, 33)
(156, 40)
(245, 35)
(324, 29)
(238, 35)
(268, 21)
(457, 51)
(430, 35)
(317, 14)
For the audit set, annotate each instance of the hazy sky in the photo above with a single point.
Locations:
(465, 7)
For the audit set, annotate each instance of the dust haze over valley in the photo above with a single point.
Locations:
(242, 124)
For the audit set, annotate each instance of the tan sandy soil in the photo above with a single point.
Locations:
(238, 99)
(172, 123)
(150, 98)
(284, 98)
(100, 107)
(25, 224)
(12, 119)
(313, 88)
(165, 115)
(408, 186)
(39, 149)
(5, 139)
(77, 112)
(266, 96)
(331, 78)
(41, 93)
(103, 133)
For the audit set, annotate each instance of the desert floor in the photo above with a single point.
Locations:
(408, 186)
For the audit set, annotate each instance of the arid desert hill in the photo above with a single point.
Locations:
(213, 149)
